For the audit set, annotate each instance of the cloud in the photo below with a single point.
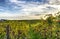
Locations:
(29, 9)
(54, 2)
(40, 9)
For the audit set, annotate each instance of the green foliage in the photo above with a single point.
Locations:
(31, 29)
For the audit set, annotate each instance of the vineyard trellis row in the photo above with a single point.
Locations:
(30, 29)
(43, 37)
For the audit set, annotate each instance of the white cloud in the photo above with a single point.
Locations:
(40, 9)
(54, 2)
(13, 0)
(29, 10)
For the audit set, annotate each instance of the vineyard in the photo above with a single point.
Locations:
(31, 29)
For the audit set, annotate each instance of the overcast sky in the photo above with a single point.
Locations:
(17, 8)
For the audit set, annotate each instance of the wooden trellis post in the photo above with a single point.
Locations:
(7, 32)
(19, 34)
(57, 35)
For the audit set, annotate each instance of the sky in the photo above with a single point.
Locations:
(17, 9)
